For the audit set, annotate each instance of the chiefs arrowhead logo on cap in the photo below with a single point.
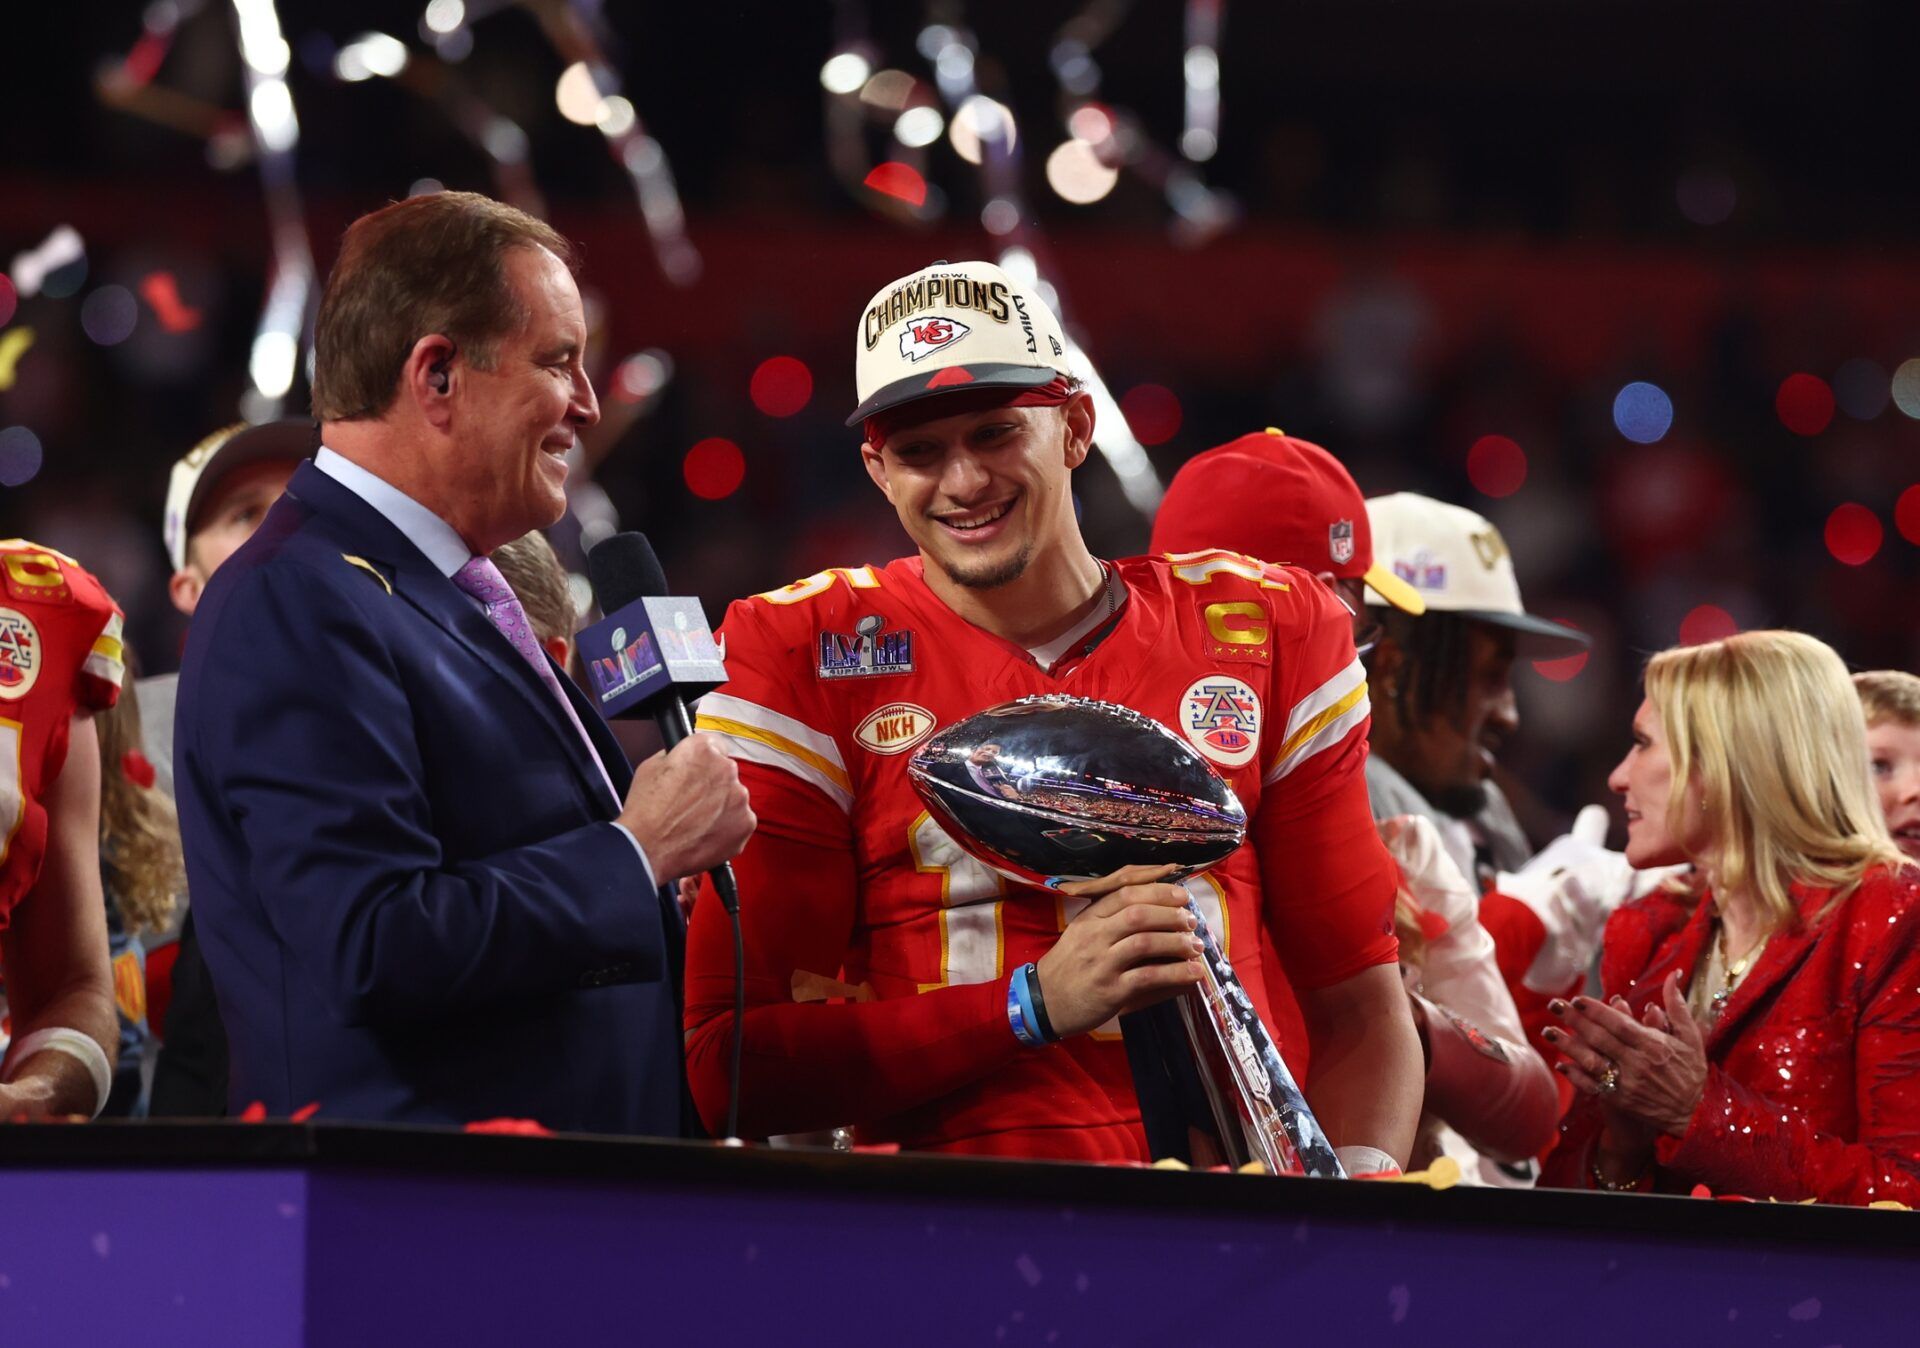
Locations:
(926, 335)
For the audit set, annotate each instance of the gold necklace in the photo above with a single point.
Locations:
(1731, 971)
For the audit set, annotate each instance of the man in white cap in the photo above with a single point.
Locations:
(888, 973)
(1444, 680)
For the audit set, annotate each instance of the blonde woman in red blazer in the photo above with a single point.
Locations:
(1760, 1033)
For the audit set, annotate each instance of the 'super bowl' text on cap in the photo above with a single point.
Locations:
(1459, 563)
(1280, 499)
(200, 470)
(948, 328)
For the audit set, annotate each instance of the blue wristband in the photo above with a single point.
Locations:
(1020, 1010)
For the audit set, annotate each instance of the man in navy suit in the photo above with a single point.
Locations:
(428, 884)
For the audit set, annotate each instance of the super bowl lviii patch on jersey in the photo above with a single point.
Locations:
(1220, 717)
(870, 650)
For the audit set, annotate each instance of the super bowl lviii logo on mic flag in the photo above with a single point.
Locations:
(646, 647)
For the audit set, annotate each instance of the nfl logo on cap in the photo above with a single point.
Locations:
(1340, 541)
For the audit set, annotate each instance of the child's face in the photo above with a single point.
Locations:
(1894, 751)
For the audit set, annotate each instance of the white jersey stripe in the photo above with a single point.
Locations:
(1315, 703)
(1327, 730)
(759, 734)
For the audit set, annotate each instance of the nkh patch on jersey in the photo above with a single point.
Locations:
(1220, 716)
(894, 728)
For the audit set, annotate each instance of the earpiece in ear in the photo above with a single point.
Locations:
(437, 377)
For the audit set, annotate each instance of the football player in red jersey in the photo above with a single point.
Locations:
(60, 645)
(878, 952)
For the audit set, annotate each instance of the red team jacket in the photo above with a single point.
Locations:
(878, 952)
(59, 654)
(1813, 1086)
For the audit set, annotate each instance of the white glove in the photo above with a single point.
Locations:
(1426, 868)
(1572, 885)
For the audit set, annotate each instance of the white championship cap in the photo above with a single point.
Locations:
(1458, 562)
(200, 470)
(948, 328)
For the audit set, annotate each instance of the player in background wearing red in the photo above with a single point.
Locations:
(1491, 1101)
(60, 661)
(878, 953)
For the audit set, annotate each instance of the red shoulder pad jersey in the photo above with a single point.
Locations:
(878, 952)
(59, 654)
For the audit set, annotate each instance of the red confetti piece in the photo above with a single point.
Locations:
(781, 386)
(137, 768)
(162, 292)
(900, 181)
(9, 300)
(305, 1112)
(879, 1149)
(254, 1113)
(510, 1127)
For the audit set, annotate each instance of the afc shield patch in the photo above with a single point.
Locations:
(19, 654)
(1220, 716)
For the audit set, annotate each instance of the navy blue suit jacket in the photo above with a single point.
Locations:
(412, 903)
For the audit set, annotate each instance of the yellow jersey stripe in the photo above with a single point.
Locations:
(826, 767)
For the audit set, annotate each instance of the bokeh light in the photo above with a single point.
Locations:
(979, 120)
(617, 117)
(1642, 412)
(1906, 514)
(900, 181)
(1706, 196)
(1861, 388)
(1906, 387)
(109, 314)
(14, 343)
(642, 375)
(1496, 466)
(1567, 666)
(844, 72)
(1804, 404)
(1706, 622)
(577, 96)
(443, 16)
(1075, 171)
(1853, 534)
(9, 299)
(714, 469)
(20, 456)
(888, 89)
(781, 386)
(917, 128)
(1090, 122)
(999, 217)
(1152, 412)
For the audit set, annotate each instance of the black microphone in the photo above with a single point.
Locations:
(623, 570)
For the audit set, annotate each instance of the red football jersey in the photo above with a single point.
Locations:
(59, 654)
(835, 679)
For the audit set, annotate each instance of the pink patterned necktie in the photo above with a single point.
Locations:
(482, 579)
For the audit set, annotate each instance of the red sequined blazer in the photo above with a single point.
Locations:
(1813, 1076)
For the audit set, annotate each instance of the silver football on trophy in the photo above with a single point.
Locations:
(1051, 788)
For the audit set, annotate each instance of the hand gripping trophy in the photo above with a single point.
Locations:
(1053, 788)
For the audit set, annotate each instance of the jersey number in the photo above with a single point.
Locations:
(973, 941)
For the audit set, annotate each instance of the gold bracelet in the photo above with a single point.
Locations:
(1631, 1186)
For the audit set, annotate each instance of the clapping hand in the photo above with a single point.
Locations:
(1650, 1072)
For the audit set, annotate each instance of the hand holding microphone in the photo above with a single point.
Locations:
(688, 809)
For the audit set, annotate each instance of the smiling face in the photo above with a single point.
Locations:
(513, 424)
(1893, 751)
(981, 492)
(1644, 782)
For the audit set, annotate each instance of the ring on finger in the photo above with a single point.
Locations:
(1609, 1078)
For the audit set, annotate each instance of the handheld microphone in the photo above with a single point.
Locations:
(650, 653)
